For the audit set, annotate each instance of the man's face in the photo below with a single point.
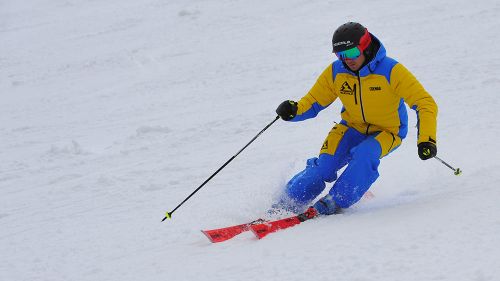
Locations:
(355, 64)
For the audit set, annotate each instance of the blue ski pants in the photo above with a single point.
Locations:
(343, 146)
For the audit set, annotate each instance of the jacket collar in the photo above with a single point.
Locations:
(379, 56)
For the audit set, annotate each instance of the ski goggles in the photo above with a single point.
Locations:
(354, 53)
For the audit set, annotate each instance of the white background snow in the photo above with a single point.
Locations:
(112, 112)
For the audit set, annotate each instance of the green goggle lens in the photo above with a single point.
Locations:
(351, 54)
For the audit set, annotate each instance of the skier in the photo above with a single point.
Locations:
(372, 88)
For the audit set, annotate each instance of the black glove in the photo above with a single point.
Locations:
(426, 150)
(287, 110)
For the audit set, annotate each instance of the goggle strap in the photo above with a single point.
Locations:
(365, 40)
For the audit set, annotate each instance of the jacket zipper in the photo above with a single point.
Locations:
(355, 97)
(361, 99)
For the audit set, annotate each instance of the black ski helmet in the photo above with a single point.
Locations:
(348, 36)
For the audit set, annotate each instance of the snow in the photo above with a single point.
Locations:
(112, 112)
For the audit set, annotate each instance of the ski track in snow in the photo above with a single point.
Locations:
(113, 112)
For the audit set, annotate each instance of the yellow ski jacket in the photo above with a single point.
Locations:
(373, 99)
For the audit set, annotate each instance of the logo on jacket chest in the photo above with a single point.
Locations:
(346, 89)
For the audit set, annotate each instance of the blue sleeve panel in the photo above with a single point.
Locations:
(310, 113)
(403, 119)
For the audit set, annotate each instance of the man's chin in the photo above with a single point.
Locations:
(353, 68)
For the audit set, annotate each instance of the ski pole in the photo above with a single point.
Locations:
(457, 170)
(169, 214)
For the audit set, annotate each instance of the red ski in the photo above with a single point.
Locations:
(262, 229)
(226, 233)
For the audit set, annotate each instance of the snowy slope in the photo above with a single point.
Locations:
(112, 112)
